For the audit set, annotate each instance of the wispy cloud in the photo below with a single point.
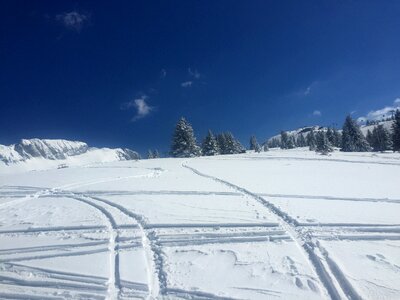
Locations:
(187, 84)
(73, 20)
(307, 91)
(142, 108)
(317, 113)
(194, 73)
(163, 73)
(381, 113)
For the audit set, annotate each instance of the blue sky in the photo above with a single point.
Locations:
(121, 73)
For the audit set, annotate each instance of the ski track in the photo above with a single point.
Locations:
(336, 286)
(305, 235)
(153, 253)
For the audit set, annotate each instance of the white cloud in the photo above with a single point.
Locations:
(381, 113)
(187, 84)
(307, 91)
(194, 73)
(317, 113)
(73, 20)
(163, 73)
(141, 106)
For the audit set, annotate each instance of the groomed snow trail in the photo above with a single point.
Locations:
(331, 279)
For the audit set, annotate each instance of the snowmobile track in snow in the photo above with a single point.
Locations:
(324, 267)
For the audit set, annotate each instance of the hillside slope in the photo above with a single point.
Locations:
(38, 154)
(285, 224)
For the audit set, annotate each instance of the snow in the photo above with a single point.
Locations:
(37, 154)
(283, 224)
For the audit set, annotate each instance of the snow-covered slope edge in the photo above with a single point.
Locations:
(38, 154)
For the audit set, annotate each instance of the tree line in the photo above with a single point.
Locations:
(351, 139)
(184, 143)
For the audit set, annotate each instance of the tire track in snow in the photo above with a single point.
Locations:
(157, 278)
(304, 242)
(153, 256)
(113, 283)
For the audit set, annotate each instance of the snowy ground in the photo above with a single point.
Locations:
(283, 224)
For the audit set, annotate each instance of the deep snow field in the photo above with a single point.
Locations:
(282, 224)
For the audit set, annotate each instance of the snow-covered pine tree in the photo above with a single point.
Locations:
(156, 154)
(265, 147)
(338, 138)
(233, 146)
(284, 140)
(396, 131)
(150, 154)
(239, 147)
(330, 136)
(291, 142)
(352, 138)
(323, 145)
(369, 138)
(221, 141)
(254, 144)
(311, 142)
(210, 145)
(301, 141)
(184, 142)
(381, 140)
(274, 143)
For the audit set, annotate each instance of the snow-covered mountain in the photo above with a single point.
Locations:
(49, 153)
(305, 130)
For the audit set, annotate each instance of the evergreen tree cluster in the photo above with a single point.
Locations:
(274, 143)
(322, 143)
(351, 139)
(184, 142)
(152, 154)
(301, 141)
(228, 144)
(287, 141)
(254, 145)
(379, 138)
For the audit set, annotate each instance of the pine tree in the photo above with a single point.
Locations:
(233, 146)
(210, 145)
(352, 138)
(301, 141)
(338, 138)
(284, 140)
(265, 147)
(396, 131)
(323, 145)
(369, 137)
(330, 136)
(150, 154)
(254, 144)
(380, 139)
(221, 141)
(274, 143)
(156, 154)
(311, 142)
(184, 142)
(291, 142)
